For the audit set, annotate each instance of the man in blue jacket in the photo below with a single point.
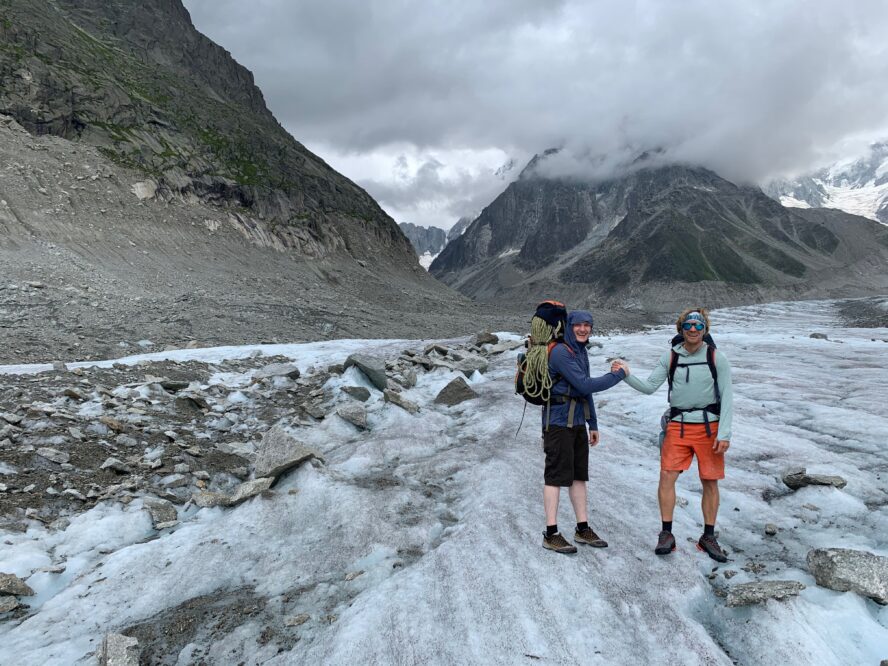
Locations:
(566, 440)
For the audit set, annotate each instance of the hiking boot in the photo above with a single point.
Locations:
(665, 543)
(587, 535)
(558, 543)
(709, 545)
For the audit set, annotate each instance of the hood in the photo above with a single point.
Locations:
(576, 317)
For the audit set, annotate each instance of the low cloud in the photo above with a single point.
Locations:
(749, 89)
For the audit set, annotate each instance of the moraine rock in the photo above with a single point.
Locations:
(10, 584)
(844, 569)
(288, 370)
(455, 392)
(54, 455)
(111, 423)
(407, 378)
(466, 363)
(119, 650)
(117, 466)
(770, 529)
(505, 346)
(173, 385)
(799, 478)
(758, 592)
(297, 620)
(8, 603)
(207, 500)
(397, 399)
(373, 367)
(357, 392)
(819, 336)
(486, 338)
(74, 394)
(278, 452)
(250, 489)
(436, 348)
(13, 419)
(161, 511)
(354, 414)
(174, 481)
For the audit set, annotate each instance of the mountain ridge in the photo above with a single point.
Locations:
(642, 235)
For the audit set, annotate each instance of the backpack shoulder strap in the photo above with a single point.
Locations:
(673, 364)
(710, 361)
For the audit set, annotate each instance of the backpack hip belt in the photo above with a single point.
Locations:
(571, 410)
(714, 408)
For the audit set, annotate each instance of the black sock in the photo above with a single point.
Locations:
(709, 530)
(667, 526)
(582, 526)
(551, 529)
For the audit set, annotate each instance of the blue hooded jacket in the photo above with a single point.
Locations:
(570, 367)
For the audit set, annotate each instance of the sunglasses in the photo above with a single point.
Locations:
(687, 326)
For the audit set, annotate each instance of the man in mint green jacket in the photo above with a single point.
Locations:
(700, 413)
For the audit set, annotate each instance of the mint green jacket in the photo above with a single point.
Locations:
(693, 386)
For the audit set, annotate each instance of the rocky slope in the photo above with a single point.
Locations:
(140, 83)
(858, 186)
(90, 271)
(656, 237)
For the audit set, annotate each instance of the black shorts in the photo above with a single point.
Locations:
(567, 455)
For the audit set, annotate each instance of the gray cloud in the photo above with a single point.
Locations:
(750, 89)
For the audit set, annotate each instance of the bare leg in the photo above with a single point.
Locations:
(710, 501)
(666, 494)
(577, 495)
(550, 501)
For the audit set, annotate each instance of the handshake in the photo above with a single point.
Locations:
(619, 364)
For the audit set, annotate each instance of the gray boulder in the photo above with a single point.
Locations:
(373, 367)
(354, 414)
(162, 512)
(54, 455)
(207, 499)
(249, 489)
(799, 478)
(116, 465)
(397, 399)
(455, 392)
(357, 392)
(8, 603)
(277, 370)
(844, 569)
(10, 584)
(760, 591)
(278, 452)
(486, 338)
(119, 650)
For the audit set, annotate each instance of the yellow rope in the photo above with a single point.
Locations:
(537, 381)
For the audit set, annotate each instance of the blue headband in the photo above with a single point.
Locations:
(694, 316)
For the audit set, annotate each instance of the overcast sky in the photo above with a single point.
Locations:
(422, 102)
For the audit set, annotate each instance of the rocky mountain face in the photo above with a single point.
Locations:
(460, 227)
(635, 238)
(150, 200)
(858, 186)
(140, 83)
(424, 239)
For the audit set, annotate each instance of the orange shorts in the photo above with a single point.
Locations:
(677, 451)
